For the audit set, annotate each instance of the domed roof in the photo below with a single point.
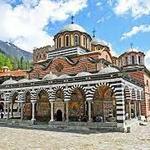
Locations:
(108, 69)
(23, 80)
(80, 74)
(49, 76)
(72, 27)
(9, 81)
(63, 76)
(132, 50)
(96, 42)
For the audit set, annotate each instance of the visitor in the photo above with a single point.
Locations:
(2, 114)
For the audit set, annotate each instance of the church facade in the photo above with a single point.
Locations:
(78, 80)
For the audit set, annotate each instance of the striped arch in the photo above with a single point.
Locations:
(71, 89)
(90, 92)
(127, 93)
(41, 89)
(54, 91)
(12, 94)
(25, 92)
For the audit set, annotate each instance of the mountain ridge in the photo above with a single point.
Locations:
(12, 50)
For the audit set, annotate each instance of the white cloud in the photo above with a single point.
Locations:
(24, 23)
(98, 4)
(147, 59)
(135, 30)
(137, 8)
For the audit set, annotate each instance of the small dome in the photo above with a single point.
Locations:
(132, 50)
(72, 27)
(108, 70)
(23, 80)
(63, 76)
(33, 80)
(80, 74)
(10, 81)
(99, 42)
(49, 76)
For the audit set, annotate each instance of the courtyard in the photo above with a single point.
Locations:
(28, 139)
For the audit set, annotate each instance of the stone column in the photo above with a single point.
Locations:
(135, 111)
(5, 109)
(18, 108)
(52, 111)
(89, 111)
(67, 114)
(11, 110)
(8, 106)
(21, 114)
(33, 112)
(139, 108)
(129, 107)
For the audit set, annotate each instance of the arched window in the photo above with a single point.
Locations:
(59, 42)
(133, 60)
(84, 41)
(139, 58)
(76, 40)
(67, 40)
(126, 59)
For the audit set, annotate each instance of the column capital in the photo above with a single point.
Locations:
(51, 101)
(89, 99)
(33, 101)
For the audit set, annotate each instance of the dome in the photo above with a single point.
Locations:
(132, 50)
(80, 74)
(23, 80)
(49, 76)
(33, 80)
(63, 76)
(96, 42)
(108, 70)
(10, 81)
(72, 27)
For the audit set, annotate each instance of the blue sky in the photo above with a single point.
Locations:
(109, 26)
(32, 23)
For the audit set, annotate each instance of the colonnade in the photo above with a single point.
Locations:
(89, 91)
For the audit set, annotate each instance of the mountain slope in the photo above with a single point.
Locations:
(12, 50)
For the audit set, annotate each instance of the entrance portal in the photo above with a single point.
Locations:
(59, 115)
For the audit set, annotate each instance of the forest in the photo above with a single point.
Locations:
(14, 63)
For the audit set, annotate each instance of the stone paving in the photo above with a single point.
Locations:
(27, 139)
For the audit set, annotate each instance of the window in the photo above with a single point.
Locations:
(139, 58)
(76, 40)
(67, 40)
(126, 59)
(84, 41)
(59, 42)
(133, 61)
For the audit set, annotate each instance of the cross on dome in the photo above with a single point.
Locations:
(94, 31)
(72, 19)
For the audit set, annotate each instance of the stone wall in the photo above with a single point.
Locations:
(89, 63)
